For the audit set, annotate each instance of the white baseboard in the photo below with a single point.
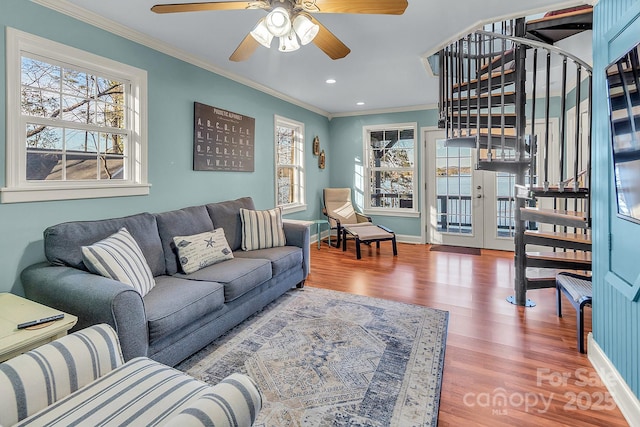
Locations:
(620, 392)
(406, 238)
(401, 238)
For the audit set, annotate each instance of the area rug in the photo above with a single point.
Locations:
(327, 358)
(456, 249)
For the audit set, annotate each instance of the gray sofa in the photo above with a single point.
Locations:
(182, 313)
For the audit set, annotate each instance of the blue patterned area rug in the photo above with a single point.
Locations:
(327, 358)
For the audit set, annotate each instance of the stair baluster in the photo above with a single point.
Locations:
(563, 130)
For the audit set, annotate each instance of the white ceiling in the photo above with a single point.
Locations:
(385, 68)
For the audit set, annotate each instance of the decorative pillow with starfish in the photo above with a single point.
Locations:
(201, 250)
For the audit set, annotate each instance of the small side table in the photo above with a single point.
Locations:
(15, 310)
(319, 223)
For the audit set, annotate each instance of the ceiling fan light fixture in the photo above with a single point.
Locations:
(305, 29)
(278, 22)
(262, 34)
(289, 43)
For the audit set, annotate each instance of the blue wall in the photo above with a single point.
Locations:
(616, 286)
(346, 156)
(173, 86)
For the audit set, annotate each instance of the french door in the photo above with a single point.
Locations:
(467, 207)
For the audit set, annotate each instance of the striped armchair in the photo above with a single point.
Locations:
(82, 378)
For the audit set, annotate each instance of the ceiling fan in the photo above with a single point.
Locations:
(291, 21)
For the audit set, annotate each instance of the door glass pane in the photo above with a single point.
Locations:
(453, 193)
(505, 199)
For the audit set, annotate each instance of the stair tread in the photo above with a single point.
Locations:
(558, 235)
(556, 189)
(540, 278)
(556, 213)
(550, 18)
(571, 256)
(539, 273)
(494, 76)
(495, 132)
(498, 60)
(496, 115)
(482, 96)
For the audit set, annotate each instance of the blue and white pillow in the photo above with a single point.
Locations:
(262, 229)
(202, 250)
(119, 257)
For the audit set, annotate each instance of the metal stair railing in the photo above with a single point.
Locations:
(580, 66)
(491, 65)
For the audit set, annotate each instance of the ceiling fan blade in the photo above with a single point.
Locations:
(198, 7)
(384, 7)
(245, 49)
(329, 43)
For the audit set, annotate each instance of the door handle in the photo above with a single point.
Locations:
(479, 193)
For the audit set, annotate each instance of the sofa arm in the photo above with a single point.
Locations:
(297, 234)
(235, 401)
(93, 299)
(32, 381)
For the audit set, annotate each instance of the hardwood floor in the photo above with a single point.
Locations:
(504, 365)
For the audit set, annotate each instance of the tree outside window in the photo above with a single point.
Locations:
(390, 153)
(289, 149)
(76, 123)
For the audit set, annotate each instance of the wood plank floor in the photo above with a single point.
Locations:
(504, 365)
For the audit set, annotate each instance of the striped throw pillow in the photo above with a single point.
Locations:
(262, 229)
(119, 257)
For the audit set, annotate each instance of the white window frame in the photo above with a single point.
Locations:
(366, 136)
(17, 188)
(299, 196)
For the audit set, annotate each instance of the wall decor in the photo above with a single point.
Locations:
(316, 146)
(321, 160)
(222, 140)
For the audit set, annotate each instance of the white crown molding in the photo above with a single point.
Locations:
(386, 111)
(113, 27)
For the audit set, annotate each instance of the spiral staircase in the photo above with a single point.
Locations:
(502, 90)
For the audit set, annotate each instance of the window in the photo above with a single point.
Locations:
(76, 123)
(390, 168)
(289, 137)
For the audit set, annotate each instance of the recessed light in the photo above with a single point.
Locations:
(330, 81)
(359, 103)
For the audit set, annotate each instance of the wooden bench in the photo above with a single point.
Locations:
(578, 290)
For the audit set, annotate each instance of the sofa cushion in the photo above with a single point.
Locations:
(282, 258)
(262, 229)
(119, 257)
(175, 302)
(237, 275)
(201, 250)
(141, 392)
(181, 222)
(226, 215)
(63, 242)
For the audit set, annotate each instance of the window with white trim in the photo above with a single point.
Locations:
(289, 149)
(390, 169)
(76, 123)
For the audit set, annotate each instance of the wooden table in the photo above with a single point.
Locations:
(15, 310)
